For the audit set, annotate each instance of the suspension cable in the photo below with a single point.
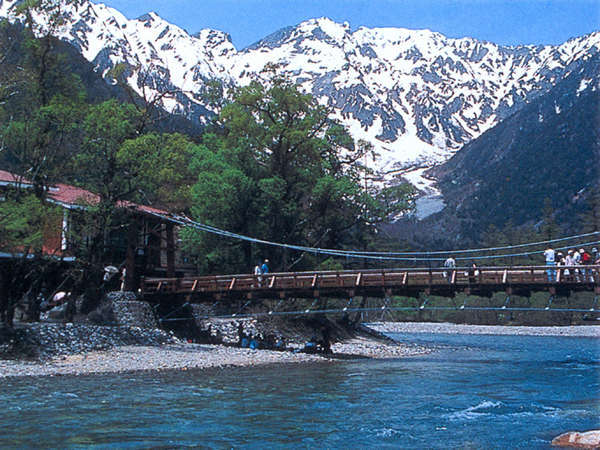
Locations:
(381, 256)
(389, 308)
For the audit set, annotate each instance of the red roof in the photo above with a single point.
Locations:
(74, 196)
(9, 177)
(71, 195)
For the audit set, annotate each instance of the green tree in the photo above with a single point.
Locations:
(287, 172)
(549, 229)
(590, 218)
(39, 145)
(25, 222)
(159, 166)
(43, 104)
(43, 61)
(225, 195)
(107, 126)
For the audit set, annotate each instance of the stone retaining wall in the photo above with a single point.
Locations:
(128, 311)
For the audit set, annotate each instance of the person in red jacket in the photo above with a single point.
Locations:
(586, 260)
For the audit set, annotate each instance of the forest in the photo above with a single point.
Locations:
(269, 163)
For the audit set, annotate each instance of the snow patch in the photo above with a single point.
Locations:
(430, 199)
(583, 84)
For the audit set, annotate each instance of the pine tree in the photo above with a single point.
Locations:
(590, 219)
(549, 228)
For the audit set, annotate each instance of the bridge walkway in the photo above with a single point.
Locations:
(381, 283)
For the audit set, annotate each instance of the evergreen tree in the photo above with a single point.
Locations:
(39, 128)
(590, 219)
(549, 228)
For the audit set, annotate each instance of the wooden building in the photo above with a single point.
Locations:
(147, 246)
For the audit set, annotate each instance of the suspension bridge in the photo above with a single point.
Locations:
(241, 291)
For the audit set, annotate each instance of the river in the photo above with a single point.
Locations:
(471, 392)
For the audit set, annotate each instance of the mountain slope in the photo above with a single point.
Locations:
(417, 96)
(94, 85)
(548, 150)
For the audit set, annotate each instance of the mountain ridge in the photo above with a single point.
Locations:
(416, 95)
(545, 155)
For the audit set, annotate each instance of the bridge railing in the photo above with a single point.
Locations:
(351, 279)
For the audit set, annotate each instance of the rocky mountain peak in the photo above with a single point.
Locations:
(416, 95)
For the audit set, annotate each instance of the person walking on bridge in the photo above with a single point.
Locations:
(550, 261)
(265, 267)
(258, 273)
(450, 263)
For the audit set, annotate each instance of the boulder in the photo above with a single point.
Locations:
(575, 439)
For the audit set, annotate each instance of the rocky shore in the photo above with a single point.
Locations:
(44, 341)
(83, 349)
(75, 349)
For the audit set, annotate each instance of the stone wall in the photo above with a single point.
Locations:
(129, 311)
(228, 331)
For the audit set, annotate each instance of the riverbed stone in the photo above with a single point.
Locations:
(576, 439)
(55, 339)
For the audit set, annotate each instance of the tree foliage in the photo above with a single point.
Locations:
(273, 165)
(23, 222)
(284, 170)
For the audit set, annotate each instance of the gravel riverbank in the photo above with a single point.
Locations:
(160, 351)
(452, 328)
(78, 349)
(185, 356)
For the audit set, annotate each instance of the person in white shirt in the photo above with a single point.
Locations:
(569, 261)
(550, 255)
(577, 262)
(450, 263)
(257, 274)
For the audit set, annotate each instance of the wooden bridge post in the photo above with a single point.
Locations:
(170, 250)
(132, 237)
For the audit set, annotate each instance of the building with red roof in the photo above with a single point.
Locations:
(150, 249)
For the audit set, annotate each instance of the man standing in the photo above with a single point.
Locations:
(586, 260)
(265, 268)
(550, 261)
(577, 261)
(450, 263)
(258, 273)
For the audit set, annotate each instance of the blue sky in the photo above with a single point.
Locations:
(508, 22)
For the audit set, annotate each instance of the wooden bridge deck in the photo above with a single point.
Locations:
(375, 283)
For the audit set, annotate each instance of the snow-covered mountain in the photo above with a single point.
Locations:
(416, 95)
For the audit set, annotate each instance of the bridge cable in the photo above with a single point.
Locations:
(402, 308)
(184, 221)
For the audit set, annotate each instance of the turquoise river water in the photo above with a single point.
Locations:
(471, 392)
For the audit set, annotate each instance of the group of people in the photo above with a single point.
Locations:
(260, 270)
(472, 272)
(573, 258)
